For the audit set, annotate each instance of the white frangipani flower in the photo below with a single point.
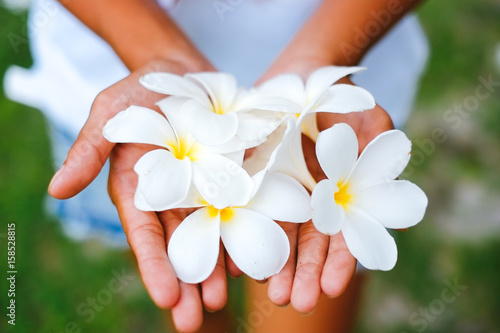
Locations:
(217, 110)
(256, 243)
(166, 175)
(361, 196)
(282, 153)
(207, 124)
(319, 94)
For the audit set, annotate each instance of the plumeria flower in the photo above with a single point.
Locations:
(361, 196)
(319, 94)
(166, 175)
(282, 153)
(256, 243)
(217, 110)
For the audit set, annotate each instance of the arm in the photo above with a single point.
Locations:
(146, 40)
(139, 31)
(339, 33)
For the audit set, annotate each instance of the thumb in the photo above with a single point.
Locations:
(85, 159)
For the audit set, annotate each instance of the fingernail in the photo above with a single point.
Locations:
(308, 313)
(54, 179)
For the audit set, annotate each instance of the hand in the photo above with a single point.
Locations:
(320, 263)
(147, 232)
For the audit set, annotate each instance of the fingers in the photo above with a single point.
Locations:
(214, 289)
(147, 242)
(280, 285)
(145, 234)
(339, 268)
(312, 250)
(187, 314)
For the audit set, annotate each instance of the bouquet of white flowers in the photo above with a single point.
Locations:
(209, 125)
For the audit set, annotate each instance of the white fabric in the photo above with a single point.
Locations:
(394, 65)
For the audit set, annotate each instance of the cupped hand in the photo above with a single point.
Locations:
(320, 263)
(147, 232)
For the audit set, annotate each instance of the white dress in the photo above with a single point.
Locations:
(243, 37)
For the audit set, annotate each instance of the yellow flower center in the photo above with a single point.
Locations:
(184, 148)
(225, 214)
(342, 196)
(218, 109)
(212, 211)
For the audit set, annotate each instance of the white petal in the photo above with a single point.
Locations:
(282, 198)
(328, 216)
(310, 126)
(237, 157)
(337, 151)
(141, 203)
(258, 179)
(172, 108)
(344, 98)
(207, 127)
(288, 157)
(236, 144)
(221, 182)
(175, 85)
(382, 161)
(257, 244)
(193, 248)
(265, 101)
(193, 199)
(322, 78)
(139, 125)
(163, 180)
(290, 86)
(256, 125)
(221, 87)
(260, 158)
(398, 204)
(369, 241)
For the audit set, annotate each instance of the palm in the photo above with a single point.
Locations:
(147, 232)
(322, 263)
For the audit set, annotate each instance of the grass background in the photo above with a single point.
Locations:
(459, 240)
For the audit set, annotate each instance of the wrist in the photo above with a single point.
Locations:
(290, 62)
(149, 37)
(163, 43)
(177, 64)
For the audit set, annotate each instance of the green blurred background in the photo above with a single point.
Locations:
(458, 243)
